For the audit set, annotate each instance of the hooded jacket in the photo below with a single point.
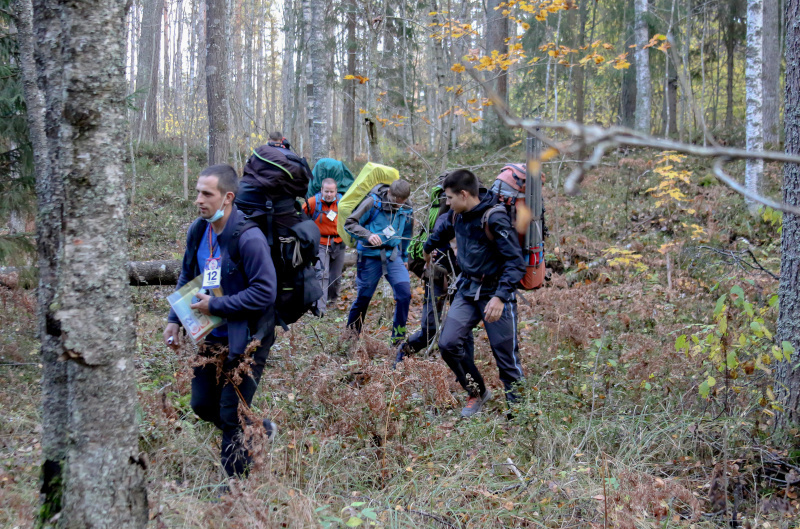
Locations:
(493, 266)
(367, 219)
(249, 287)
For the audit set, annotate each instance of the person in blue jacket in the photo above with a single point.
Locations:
(491, 267)
(220, 240)
(383, 224)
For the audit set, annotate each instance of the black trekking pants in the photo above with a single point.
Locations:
(463, 316)
(432, 311)
(217, 401)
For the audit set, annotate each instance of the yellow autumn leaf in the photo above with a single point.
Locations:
(457, 67)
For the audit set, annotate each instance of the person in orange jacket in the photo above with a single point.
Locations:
(323, 208)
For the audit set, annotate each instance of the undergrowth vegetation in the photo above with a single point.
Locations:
(648, 398)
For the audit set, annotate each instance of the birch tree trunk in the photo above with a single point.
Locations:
(787, 374)
(86, 319)
(643, 88)
(754, 94)
(772, 70)
(318, 121)
(216, 80)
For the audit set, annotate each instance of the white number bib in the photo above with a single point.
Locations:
(388, 231)
(331, 215)
(212, 274)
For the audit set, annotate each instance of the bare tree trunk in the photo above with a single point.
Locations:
(627, 110)
(86, 318)
(288, 68)
(43, 86)
(216, 81)
(166, 99)
(731, 37)
(772, 70)
(787, 373)
(754, 169)
(318, 122)
(496, 39)
(349, 116)
(147, 68)
(643, 88)
(580, 100)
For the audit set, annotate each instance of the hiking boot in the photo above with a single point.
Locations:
(271, 428)
(403, 350)
(474, 404)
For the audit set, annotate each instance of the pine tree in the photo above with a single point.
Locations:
(16, 156)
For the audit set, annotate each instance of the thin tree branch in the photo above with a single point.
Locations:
(603, 139)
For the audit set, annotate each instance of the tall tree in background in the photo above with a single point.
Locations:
(497, 39)
(772, 70)
(643, 88)
(318, 120)
(787, 373)
(216, 80)
(349, 107)
(16, 156)
(146, 118)
(754, 88)
(92, 473)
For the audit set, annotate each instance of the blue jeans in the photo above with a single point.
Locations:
(368, 273)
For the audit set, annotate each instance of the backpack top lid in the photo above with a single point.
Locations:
(277, 171)
(513, 174)
(370, 176)
(329, 168)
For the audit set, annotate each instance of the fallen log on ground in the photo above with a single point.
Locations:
(140, 273)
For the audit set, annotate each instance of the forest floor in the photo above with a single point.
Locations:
(648, 399)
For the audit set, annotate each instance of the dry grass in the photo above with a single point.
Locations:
(611, 431)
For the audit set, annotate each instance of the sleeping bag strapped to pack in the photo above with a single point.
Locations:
(370, 176)
(329, 168)
(510, 187)
(274, 178)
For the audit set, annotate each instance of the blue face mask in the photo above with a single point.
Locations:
(216, 216)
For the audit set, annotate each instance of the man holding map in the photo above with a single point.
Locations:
(230, 259)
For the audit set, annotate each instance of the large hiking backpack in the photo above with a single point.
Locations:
(370, 176)
(274, 178)
(509, 187)
(329, 168)
(277, 171)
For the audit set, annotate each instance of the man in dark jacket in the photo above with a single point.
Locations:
(248, 285)
(491, 266)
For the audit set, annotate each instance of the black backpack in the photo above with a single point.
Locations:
(293, 256)
(277, 171)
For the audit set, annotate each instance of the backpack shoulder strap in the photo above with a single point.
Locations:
(318, 208)
(485, 219)
(376, 207)
(196, 231)
(233, 244)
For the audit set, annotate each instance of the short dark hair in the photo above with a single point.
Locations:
(462, 180)
(400, 189)
(227, 181)
(275, 136)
